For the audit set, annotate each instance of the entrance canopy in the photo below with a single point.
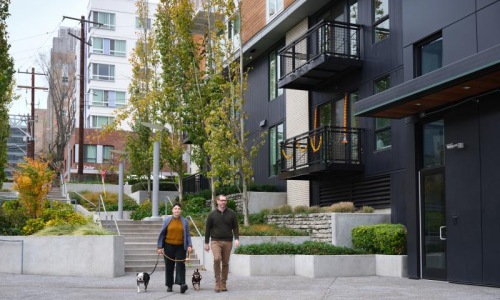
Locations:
(474, 75)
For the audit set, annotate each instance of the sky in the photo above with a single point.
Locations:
(31, 26)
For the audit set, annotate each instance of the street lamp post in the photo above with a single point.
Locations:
(156, 168)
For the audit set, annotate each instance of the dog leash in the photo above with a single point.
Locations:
(157, 259)
(188, 258)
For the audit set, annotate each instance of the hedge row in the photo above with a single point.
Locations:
(380, 239)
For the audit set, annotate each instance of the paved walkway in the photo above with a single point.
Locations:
(240, 287)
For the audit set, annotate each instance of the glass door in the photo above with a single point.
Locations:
(432, 203)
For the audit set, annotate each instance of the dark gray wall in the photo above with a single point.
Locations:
(259, 108)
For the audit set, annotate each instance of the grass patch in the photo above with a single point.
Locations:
(68, 229)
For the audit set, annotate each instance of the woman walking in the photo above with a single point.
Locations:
(173, 242)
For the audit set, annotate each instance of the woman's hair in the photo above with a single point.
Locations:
(177, 204)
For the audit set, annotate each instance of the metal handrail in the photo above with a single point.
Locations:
(91, 203)
(199, 233)
(106, 213)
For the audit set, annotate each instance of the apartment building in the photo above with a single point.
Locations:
(110, 35)
(392, 104)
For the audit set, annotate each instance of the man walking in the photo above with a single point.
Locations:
(221, 226)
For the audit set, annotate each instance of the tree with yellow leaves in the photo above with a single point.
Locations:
(33, 181)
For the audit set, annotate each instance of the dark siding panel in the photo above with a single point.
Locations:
(258, 108)
(373, 191)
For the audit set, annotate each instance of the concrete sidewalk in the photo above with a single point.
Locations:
(240, 287)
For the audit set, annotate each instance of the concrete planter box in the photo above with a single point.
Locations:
(207, 258)
(318, 266)
(343, 223)
(89, 256)
(392, 265)
(262, 265)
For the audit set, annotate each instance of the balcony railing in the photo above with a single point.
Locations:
(333, 46)
(326, 149)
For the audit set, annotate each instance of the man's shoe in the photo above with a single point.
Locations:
(217, 287)
(169, 289)
(223, 287)
(184, 288)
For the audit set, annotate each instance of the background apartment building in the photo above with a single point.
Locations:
(108, 74)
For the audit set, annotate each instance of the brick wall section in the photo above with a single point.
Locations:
(318, 225)
(297, 122)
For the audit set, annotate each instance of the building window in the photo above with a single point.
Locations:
(109, 47)
(108, 98)
(274, 75)
(138, 23)
(353, 98)
(274, 7)
(90, 154)
(103, 72)
(106, 19)
(100, 121)
(275, 139)
(383, 136)
(234, 31)
(107, 155)
(381, 26)
(429, 55)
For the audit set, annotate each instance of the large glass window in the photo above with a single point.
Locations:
(100, 121)
(109, 47)
(433, 144)
(108, 98)
(429, 55)
(274, 75)
(274, 7)
(381, 27)
(103, 72)
(234, 32)
(138, 23)
(275, 138)
(107, 155)
(90, 154)
(106, 19)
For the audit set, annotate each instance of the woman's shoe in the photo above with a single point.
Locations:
(184, 288)
(169, 289)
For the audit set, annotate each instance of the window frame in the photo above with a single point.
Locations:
(97, 16)
(274, 75)
(86, 157)
(107, 154)
(94, 121)
(379, 21)
(97, 67)
(280, 6)
(275, 141)
(438, 37)
(381, 132)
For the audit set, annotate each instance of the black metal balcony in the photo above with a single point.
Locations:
(326, 50)
(331, 151)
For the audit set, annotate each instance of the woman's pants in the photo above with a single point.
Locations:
(178, 253)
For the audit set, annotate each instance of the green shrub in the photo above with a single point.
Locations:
(13, 217)
(380, 239)
(163, 186)
(71, 229)
(143, 211)
(269, 230)
(306, 248)
(32, 226)
(366, 210)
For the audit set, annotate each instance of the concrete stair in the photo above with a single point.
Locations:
(140, 245)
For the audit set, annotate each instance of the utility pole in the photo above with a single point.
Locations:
(31, 121)
(81, 136)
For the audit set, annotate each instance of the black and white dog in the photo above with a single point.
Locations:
(143, 278)
(196, 280)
